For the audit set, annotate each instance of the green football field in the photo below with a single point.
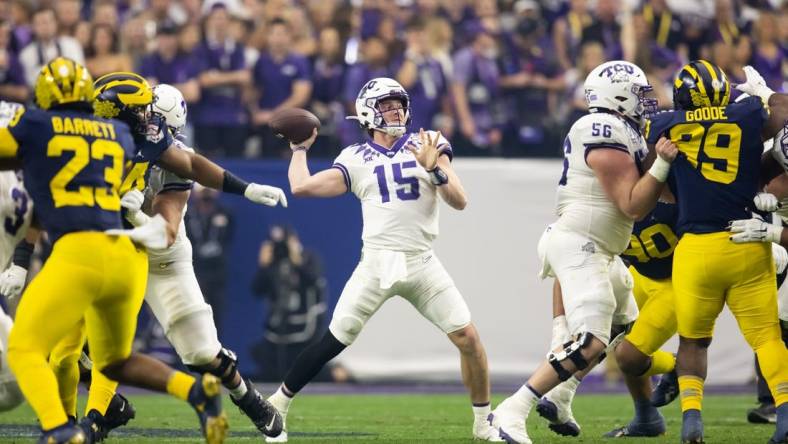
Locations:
(403, 419)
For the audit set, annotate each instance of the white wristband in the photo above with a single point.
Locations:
(764, 92)
(660, 169)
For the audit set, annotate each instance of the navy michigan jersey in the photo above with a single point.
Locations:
(149, 147)
(73, 164)
(715, 176)
(652, 242)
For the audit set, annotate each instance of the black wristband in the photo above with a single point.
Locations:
(233, 184)
(22, 254)
(438, 176)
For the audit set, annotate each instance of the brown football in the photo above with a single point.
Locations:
(294, 124)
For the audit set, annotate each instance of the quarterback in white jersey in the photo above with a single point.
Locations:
(398, 177)
(173, 293)
(601, 192)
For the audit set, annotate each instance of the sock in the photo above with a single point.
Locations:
(481, 411)
(39, 385)
(691, 392)
(281, 399)
(560, 332)
(180, 384)
(644, 411)
(239, 391)
(773, 358)
(661, 362)
(67, 374)
(524, 399)
(311, 360)
(102, 390)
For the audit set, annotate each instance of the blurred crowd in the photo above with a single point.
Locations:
(498, 78)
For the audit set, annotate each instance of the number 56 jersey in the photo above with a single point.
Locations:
(399, 203)
(582, 205)
(73, 164)
(715, 176)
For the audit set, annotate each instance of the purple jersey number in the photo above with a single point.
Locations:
(410, 185)
(12, 224)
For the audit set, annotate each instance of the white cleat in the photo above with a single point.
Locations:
(483, 431)
(509, 423)
(556, 407)
(282, 408)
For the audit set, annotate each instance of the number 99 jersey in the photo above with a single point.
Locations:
(73, 163)
(399, 203)
(715, 176)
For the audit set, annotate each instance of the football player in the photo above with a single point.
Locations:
(600, 193)
(74, 163)
(173, 293)
(398, 176)
(715, 181)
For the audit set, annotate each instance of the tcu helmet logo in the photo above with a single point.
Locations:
(370, 85)
(617, 68)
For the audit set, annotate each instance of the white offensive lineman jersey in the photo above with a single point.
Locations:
(399, 203)
(16, 211)
(160, 181)
(582, 205)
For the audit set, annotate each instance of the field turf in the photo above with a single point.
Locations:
(403, 418)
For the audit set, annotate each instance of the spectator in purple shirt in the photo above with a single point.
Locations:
(12, 75)
(769, 55)
(220, 118)
(282, 80)
(422, 76)
(606, 29)
(327, 78)
(169, 65)
(478, 99)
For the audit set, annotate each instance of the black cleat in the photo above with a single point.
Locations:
(95, 426)
(692, 427)
(765, 413)
(549, 411)
(667, 390)
(264, 415)
(119, 412)
(639, 429)
(66, 434)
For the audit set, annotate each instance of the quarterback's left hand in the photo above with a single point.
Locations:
(780, 256)
(766, 202)
(266, 195)
(754, 230)
(427, 154)
(12, 281)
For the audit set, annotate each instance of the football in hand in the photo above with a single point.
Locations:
(294, 124)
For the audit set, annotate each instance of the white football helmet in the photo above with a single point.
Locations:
(621, 87)
(169, 102)
(370, 96)
(780, 147)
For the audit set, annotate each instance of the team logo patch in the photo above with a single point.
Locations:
(589, 248)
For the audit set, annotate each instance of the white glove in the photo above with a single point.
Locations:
(754, 230)
(755, 85)
(780, 256)
(12, 281)
(132, 201)
(266, 195)
(152, 235)
(766, 202)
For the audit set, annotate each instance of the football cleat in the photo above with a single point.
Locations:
(639, 429)
(95, 426)
(65, 434)
(666, 390)
(510, 424)
(765, 413)
(205, 397)
(483, 431)
(281, 406)
(556, 407)
(692, 427)
(262, 413)
(119, 412)
(781, 434)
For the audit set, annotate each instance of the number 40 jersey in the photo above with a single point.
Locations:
(715, 176)
(582, 205)
(399, 203)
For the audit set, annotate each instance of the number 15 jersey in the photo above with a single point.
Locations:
(399, 203)
(715, 176)
(73, 164)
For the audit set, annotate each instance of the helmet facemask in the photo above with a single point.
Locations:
(647, 106)
(397, 126)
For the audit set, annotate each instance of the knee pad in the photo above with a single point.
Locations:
(228, 365)
(571, 351)
(346, 328)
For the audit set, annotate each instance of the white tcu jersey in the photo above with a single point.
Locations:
(16, 210)
(162, 181)
(582, 205)
(399, 203)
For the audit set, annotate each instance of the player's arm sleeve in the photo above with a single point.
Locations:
(342, 163)
(603, 133)
(12, 128)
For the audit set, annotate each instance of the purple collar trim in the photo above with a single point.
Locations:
(394, 148)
